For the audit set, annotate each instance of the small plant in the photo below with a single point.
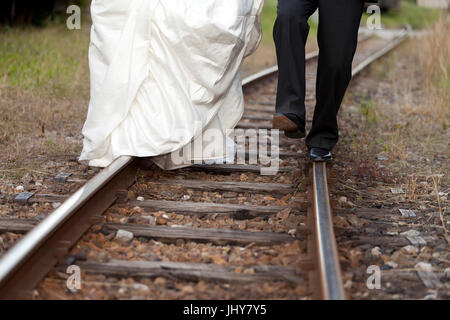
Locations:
(368, 111)
(382, 143)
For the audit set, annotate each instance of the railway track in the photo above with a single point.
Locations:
(208, 223)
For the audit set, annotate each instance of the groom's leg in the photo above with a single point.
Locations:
(337, 37)
(290, 34)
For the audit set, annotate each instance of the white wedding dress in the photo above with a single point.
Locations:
(162, 73)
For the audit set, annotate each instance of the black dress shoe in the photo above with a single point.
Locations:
(290, 123)
(319, 154)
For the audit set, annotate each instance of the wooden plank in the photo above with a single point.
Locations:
(37, 198)
(236, 168)
(270, 188)
(188, 271)
(269, 107)
(76, 180)
(377, 240)
(258, 125)
(283, 140)
(257, 116)
(270, 104)
(17, 225)
(280, 154)
(253, 125)
(260, 108)
(261, 116)
(216, 236)
(170, 234)
(196, 208)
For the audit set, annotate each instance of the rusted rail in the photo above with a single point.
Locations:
(25, 264)
(326, 258)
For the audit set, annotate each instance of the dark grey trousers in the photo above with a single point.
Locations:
(337, 38)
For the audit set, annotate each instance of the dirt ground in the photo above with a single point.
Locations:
(394, 155)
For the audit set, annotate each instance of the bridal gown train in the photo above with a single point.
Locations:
(163, 72)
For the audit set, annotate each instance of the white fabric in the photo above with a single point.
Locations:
(162, 72)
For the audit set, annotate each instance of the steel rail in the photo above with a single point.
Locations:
(19, 256)
(403, 34)
(329, 274)
(327, 260)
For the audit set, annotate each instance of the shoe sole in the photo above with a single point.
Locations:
(283, 123)
(320, 159)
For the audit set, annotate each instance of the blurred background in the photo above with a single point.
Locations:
(28, 12)
(37, 50)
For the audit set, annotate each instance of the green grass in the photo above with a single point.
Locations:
(268, 17)
(52, 59)
(367, 109)
(409, 13)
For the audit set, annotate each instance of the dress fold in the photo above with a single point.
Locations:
(163, 74)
